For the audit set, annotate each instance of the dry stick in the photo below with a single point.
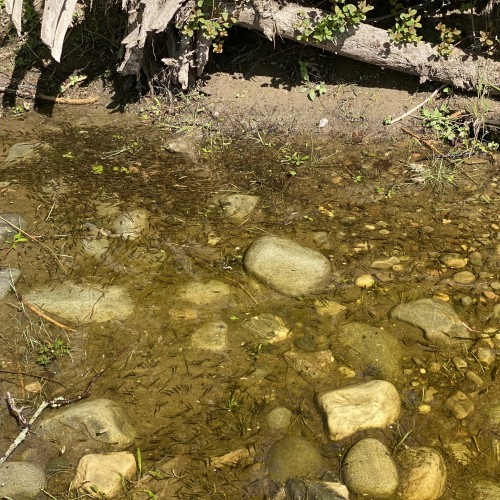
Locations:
(26, 374)
(53, 403)
(422, 141)
(44, 316)
(50, 98)
(418, 106)
(32, 238)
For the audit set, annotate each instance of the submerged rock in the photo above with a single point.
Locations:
(353, 408)
(267, 328)
(300, 489)
(423, 474)
(131, 224)
(208, 293)
(459, 405)
(95, 423)
(185, 143)
(21, 480)
(279, 418)
(23, 151)
(312, 365)
(211, 337)
(286, 266)
(485, 489)
(104, 473)
(238, 207)
(370, 349)
(83, 304)
(368, 469)
(293, 456)
(6, 230)
(439, 321)
(8, 279)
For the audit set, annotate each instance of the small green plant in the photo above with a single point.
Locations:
(439, 120)
(405, 29)
(233, 404)
(449, 37)
(50, 351)
(16, 240)
(327, 27)
(97, 169)
(489, 42)
(313, 89)
(122, 170)
(68, 155)
(254, 351)
(357, 179)
(212, 23)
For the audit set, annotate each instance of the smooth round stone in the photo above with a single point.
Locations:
(286, 266)
(279, 418)
(368, 469)
(293, 456)
(364, 281)
(454, 260)
(20, 480)
(464, 278)
(422, 474)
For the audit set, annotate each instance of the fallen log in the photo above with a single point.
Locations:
(372, 45)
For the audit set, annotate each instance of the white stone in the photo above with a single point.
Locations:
(385, 263)
(364, 281)
(437, 318)
(102, 474)
(422, 474)
(374, 404)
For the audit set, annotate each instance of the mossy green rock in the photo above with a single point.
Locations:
(293, 456)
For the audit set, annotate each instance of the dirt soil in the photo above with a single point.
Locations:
(253, 84)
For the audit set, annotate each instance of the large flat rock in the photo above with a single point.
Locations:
(83, 304)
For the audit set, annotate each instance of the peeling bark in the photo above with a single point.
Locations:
(14, 9)
(56, 19)
(188, 57)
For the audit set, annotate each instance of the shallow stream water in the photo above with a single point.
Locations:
(354, 203)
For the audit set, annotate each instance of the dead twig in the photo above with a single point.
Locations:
(44, 316)
(418, 106)
(17, 413)
(422, 141)
(32, 238)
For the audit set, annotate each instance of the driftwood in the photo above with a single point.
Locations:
(372, 45)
